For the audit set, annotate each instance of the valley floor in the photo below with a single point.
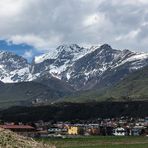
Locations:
(98, 142)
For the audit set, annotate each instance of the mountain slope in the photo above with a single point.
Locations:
(134, 86)
(56, 84)
(25, 92)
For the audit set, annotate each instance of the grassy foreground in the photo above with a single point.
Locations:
(98, 142)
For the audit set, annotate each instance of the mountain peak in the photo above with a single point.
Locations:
(61, 50)
(105, 46)
(69, 48)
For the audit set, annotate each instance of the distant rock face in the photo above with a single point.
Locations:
(82, 68)
(13, 68)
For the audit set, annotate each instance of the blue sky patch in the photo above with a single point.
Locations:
(19, 49)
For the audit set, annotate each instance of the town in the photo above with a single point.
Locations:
(123, 126)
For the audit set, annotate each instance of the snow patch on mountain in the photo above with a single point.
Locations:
(52, 54)
(136, 59)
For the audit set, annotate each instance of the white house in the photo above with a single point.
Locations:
(119, 131)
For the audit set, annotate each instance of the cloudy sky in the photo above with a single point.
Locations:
(30, 27)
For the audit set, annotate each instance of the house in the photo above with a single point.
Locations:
(119, 131)
(92, 131)
(75, 130)
(138, 130)
(56, 130)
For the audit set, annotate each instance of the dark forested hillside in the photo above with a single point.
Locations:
(74, 111)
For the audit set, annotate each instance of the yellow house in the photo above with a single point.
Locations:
(73, 130)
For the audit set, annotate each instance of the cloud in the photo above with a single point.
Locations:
(37, 41)
(46, 24)
(131, 35)
(28, 54)
(9, 9)
(94, 19)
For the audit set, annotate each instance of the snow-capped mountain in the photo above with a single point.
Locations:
(13, 68)
(82, 68)
(104, 66)
(57, 61)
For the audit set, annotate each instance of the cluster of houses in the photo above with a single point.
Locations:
(123, 126)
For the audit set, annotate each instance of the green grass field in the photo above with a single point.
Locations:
(98, 142)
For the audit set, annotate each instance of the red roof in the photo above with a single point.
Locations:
(16, 127)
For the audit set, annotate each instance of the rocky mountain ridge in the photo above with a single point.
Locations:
(81, 68)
